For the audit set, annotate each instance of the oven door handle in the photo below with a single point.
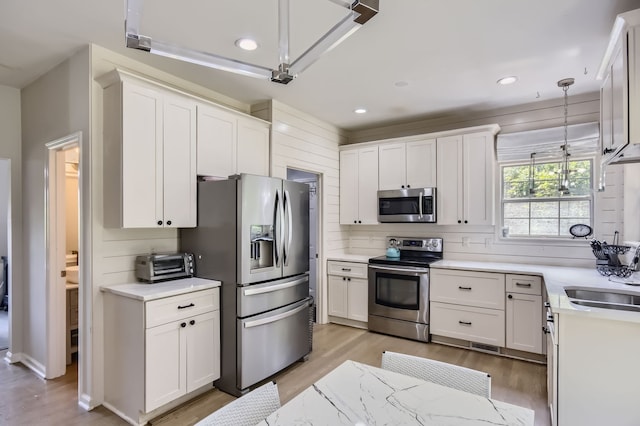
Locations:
(394, 269)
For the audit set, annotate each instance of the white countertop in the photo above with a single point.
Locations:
(359, 394)
(350, 257)
(71, 286)
(556, 278)
(146, 292)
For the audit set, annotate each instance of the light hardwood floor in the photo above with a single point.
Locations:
(25, 399)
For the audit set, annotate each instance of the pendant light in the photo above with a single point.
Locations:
(563, 177)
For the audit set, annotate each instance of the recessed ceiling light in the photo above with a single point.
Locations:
(359, 110)
(507, 80)
(246, 44)
(401, 84)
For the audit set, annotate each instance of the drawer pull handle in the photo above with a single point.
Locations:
(192, 322)
(183, 325)
(346, 269)
(523, 284)
(190, 305)
(465, 322)
(464, 288)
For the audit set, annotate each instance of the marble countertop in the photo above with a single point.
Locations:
(351, 257)
(556, 279)
(359, 394)
(146, 292)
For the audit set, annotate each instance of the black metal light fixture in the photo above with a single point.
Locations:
(563, 177)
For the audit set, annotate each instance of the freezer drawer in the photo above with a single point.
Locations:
(269, 342)
(257, 298)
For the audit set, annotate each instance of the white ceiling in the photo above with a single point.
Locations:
(450, 52)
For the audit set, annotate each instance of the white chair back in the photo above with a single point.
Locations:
(248, 410)
(442, 373)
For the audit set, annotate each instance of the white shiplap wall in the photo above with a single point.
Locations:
(484, 243)
(303, 142)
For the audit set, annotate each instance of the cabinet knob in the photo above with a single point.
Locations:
(510, 296)
(464, 222)
(168, 222)
(408, 186)
(359, 221)
(159, 222)
(344, 278)
(459, 221)
(355, 221)
(402, 186)
(183, 325)
(348, 279)
(192, 322)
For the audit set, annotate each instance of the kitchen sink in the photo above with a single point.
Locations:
(606, 299)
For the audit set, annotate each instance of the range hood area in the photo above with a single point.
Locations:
(629, 153)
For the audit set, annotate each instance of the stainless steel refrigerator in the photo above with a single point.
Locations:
(253, 235)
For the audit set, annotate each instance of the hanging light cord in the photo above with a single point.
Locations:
(563, 184)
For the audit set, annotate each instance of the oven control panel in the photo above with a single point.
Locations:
(417, 244)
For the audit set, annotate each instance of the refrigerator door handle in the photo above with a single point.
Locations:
(278, 317)
(287, 202)
(253, 291)
(276, 228)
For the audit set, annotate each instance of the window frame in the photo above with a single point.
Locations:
(533, 238)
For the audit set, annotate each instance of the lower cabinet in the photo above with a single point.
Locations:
(159, 352)
(348, 291)
(501, 310)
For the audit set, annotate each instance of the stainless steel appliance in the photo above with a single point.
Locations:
(399, 288)
(253, 235)
(159, 267)
(407, 205)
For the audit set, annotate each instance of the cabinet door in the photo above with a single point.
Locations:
(449, 172)
(141, 157)
(216, 142)
(524, 316)
(165, 366)
(252, 147)
(179, 164)
(618, 99)
(421, 164)
(606, 114)
(203, 349)
(368, 185)
(357, 299)
(337, 287)
(392, 166)
(478, 188)
(348, 187)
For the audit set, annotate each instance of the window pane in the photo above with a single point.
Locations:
(517, 226)
(544, 227)
(544, 209)
(565, 224)
(575, 209)
(516, 210)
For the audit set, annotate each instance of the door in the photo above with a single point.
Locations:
(296, 228)
(421, 164)
(368, 185)
(391, 163)
(478, 188)
(524, 316)
(286, 332)
(165, 366)
(399, 292)
(261, 237)
(203, 365)
(449, 153)
(216, 142)
(257, 298)
(357, 289)
(348, 187)
(252, 151)
(337, 295)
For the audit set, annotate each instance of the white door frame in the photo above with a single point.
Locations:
(55, 362)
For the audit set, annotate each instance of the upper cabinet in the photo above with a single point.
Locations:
(408, 163)
(359, 186)
(149, 155)
(620, 90)
(465, 176)
(229, 143)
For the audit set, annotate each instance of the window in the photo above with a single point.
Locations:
(532, 205)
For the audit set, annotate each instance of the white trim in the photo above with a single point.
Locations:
(12, 358)
(85, 402)
(55, 363)
(33, 365)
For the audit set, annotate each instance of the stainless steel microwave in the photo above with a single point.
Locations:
(407, 205)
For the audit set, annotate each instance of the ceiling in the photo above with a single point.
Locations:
(415, 58)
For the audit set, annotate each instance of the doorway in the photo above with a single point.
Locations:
(312, 180)
(63, 253)
(5, 245)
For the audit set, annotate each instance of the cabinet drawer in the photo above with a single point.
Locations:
(175, 308)
(527, 284)
(481, 289)
(468, 323)
(347, 269)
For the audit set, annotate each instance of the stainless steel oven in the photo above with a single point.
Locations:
(407, 205)
(399, 288)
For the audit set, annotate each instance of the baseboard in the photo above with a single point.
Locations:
(122, 415)
(85, 402)
(34, 365)
(348, 322)
(489, 349)
(12, 358)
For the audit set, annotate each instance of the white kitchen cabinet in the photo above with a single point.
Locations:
(524, 313)
(159, 352)
(348, 292)
(149, 155)
(619, 95)
(229, 143)
(407, 164)
(465, 176)
(359, 186)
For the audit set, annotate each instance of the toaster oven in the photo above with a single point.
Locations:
(152, 268)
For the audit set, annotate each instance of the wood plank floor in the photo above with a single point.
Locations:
(26, 399)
